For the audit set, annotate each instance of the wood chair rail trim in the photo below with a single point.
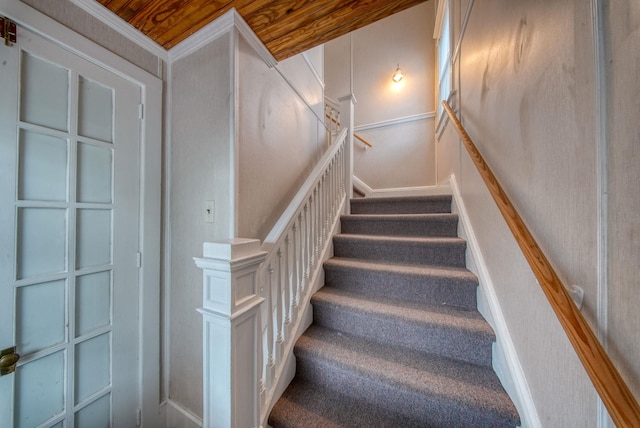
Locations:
(614, 392)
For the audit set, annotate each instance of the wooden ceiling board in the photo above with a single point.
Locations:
(286, 27)
(174, 24)
(123, 8)
(342, 22)
(290, 15)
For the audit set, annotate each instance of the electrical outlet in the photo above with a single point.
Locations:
(209, 211)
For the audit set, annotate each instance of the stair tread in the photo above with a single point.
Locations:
(442, 379)
(397, 339)
(403, 217)
(395, 199)
(417, 240)
(345, 263)
(402, 204)
(303, 407)
(419, 313)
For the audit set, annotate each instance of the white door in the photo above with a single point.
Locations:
(69, 231)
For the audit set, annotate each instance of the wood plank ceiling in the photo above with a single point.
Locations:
(286, 27)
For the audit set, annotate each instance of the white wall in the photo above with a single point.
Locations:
(244, 135)
(623, 94)
(404, 153)
(72, 16)
(201, 155)
(527, 94)
(281, 136)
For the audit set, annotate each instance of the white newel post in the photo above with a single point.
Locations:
(347, 106)
(232, 332)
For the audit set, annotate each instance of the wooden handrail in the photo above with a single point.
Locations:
(362, 139)
(614, 392)
(328, 116)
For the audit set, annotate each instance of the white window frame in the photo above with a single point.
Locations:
(442, 35)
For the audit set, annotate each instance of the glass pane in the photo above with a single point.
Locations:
(43, 167)
(44, 99)
(95, 110)
(40, 390)
(58, 425)
(96, 414)
(92, 366)
(40, 316)
(41, 241)
(94, 174)
(93, 302)
(93, 236)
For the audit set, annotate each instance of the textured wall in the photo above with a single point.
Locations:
(245, 139)
(200, 170)
(527, 97)
(623, 93)
(280, 137)
(80, 21)
(403, 155)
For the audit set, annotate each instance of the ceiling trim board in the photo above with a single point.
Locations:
(214, 30)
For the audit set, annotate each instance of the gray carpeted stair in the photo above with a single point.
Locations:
(396, 339)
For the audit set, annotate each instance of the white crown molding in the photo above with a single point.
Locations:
(217, 28)
(253, 40)
(116, 23)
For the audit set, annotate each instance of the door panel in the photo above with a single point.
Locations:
(69, 213)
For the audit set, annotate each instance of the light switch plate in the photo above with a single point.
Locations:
(209, 211)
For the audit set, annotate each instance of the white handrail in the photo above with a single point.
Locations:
(294, 251)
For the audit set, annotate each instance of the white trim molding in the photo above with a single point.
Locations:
(361, 186)
(600, 103)
(312, 67)
(397, 121)
(437, 28)
(217, 28)
(179, 417)
(505, 362)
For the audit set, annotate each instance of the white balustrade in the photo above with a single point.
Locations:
(255, 295)
(295, 248)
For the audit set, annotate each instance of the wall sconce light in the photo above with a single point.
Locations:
(397, 76)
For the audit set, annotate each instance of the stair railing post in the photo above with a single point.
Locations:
(347, 105)
(232, 299)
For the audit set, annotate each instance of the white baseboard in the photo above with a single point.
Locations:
(179, 417)
(439, 189)
(362, 187)
(505, 359)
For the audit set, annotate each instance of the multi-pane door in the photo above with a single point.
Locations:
(70, 193)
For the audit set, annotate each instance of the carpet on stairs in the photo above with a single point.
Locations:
(396, 339)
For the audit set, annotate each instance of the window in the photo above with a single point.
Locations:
(442, 34)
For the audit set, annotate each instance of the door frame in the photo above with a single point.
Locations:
(150, 188)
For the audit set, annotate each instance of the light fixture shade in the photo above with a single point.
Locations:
(397, 76)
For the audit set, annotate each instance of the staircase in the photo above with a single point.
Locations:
(396, 339)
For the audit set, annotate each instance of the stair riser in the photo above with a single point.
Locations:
(425, 410)
(441, 227)
(363, 206)
(450, 291)
(467, 346)
(437, 254)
